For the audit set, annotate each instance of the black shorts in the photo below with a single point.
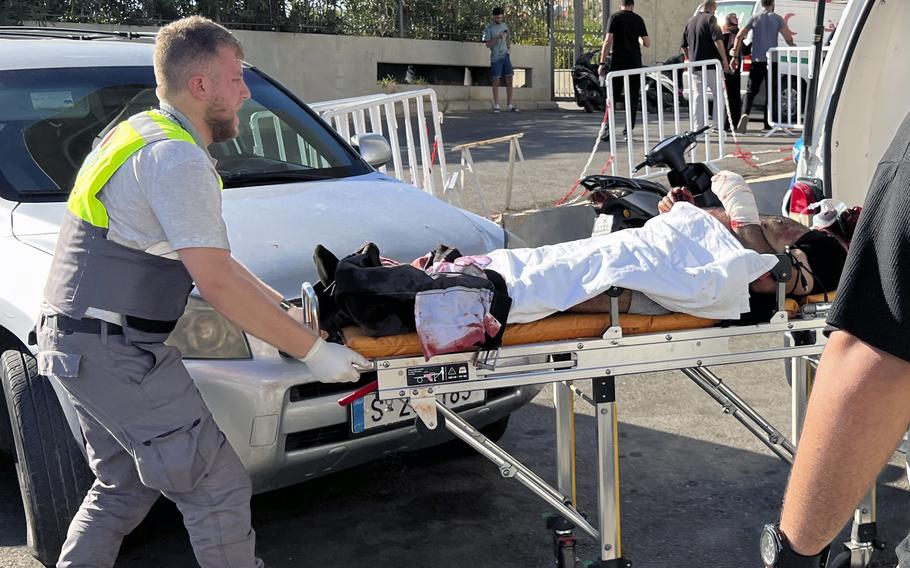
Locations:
(873, 299)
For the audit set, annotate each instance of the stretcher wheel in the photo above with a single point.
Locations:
(565, 555)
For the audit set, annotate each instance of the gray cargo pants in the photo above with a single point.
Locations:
(147, 431)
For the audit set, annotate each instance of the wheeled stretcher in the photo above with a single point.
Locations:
(565, 348)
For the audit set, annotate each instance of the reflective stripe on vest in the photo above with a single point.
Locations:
(115, 149)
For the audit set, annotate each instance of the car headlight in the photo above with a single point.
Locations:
(203, 333)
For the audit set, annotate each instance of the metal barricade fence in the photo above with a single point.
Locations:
(668, 86)
(789, 72)
(388, 115)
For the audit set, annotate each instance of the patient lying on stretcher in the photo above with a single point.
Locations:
(817, 254)
(711, 264)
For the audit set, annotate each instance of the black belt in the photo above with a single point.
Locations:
(66, 323)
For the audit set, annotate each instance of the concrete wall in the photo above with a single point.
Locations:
(320, 67)
(665, 20)
(325, 67)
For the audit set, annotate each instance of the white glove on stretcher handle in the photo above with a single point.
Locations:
(333, 363)
(737, 198)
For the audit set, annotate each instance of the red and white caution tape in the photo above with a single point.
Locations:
(603, 126)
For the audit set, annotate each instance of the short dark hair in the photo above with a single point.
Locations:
(767, 3)
(498, 11)
(186, 46)
(626, 3)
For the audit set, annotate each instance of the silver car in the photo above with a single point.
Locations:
(290, 183)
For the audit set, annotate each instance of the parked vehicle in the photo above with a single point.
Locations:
(853, 126)
(586, 83)
(800, 18)
(291, 182)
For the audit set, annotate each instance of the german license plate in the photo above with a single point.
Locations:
(369, 412)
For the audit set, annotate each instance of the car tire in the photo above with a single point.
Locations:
(794, 99)
(53, 474)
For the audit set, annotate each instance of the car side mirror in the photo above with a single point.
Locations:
(373, 148)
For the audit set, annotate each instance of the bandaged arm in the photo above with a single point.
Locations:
(737, 198)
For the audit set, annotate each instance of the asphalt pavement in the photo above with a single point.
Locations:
(696, 487)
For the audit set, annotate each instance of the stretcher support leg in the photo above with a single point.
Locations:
(564, 541)
(511, 467)
(564, 402)
(608, 474)
(800, 382)
(863, 534)
(739, 409)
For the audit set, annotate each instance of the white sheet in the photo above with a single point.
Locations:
(684, 260)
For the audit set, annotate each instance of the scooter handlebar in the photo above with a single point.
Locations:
(693, 136)
(647, 162)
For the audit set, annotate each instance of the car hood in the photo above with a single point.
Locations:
(274, 229)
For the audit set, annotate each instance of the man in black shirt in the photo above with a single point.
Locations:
(624, 30)
(703, 40)
(860, 403)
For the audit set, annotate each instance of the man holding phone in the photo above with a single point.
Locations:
(496, 37)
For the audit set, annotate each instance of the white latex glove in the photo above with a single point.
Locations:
(333, 363)
(737, 198)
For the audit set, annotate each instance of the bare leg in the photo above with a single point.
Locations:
(495, 91)
(509, 90)
(858, 411)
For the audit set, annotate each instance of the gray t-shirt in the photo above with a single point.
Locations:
(164, 198)
(501, 48)
(765, 28)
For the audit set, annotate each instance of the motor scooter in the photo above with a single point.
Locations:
(631, 202)
(586, 83)
(667, 85)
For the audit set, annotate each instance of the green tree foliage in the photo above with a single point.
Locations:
(458, 20)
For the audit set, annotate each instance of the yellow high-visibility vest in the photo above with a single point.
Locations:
(118, 145)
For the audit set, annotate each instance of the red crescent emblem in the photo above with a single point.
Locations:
(787, 22)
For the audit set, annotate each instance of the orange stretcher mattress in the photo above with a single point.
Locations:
(557, 327)
(553, 328)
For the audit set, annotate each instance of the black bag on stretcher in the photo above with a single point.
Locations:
(379, 297)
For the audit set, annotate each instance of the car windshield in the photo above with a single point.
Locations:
(51, 118)
(743, 11)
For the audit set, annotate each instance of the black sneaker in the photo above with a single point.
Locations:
(606, 136)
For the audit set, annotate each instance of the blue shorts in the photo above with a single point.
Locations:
(501, 68)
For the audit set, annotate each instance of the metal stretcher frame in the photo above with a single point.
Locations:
(600, 360)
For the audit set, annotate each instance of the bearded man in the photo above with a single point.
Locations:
(143, 224)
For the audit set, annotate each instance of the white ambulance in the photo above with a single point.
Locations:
(800, 18)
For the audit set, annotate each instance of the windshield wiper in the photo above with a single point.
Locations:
(243, 178)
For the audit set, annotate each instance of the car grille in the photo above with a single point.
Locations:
(309, 391)
(317, 437)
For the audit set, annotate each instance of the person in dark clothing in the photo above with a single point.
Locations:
(732, 80)
(702, 41)
(626, 33)
(765, 29)
(860, 403)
